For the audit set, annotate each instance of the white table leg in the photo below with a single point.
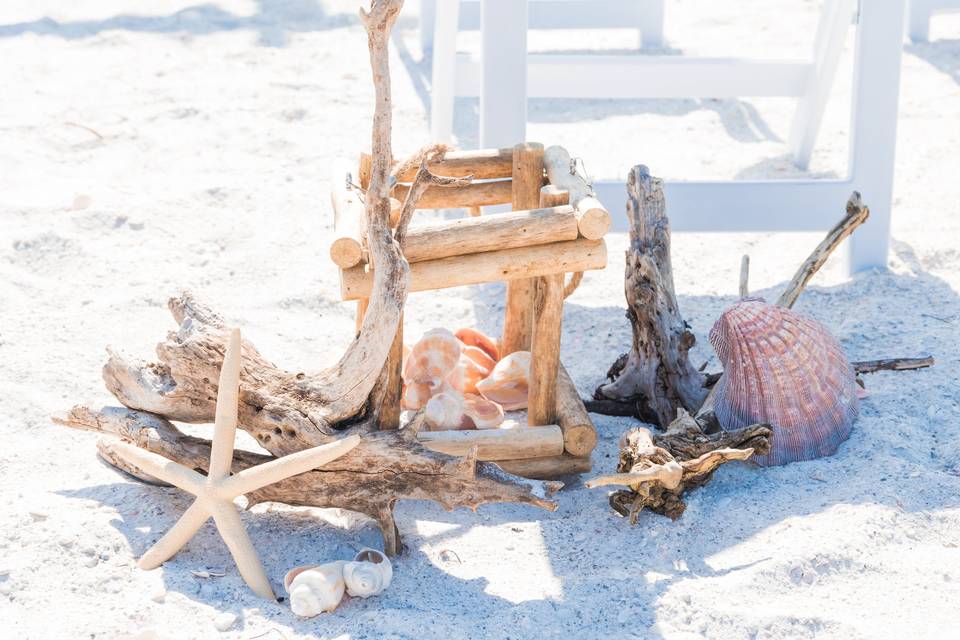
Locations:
(503, 94)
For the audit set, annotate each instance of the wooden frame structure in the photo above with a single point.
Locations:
(503, 83)
(556, 226)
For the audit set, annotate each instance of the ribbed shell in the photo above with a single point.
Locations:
(787, 370)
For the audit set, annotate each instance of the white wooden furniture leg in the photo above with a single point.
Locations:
(443, 89)
(873, 127)
(920, 12)
(651, 24)
(503, 93)
(427, 9)
(831, 34)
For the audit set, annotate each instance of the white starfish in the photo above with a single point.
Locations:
(215, 491)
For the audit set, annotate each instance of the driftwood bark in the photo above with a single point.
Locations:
(289, 411)
(385, 467)
(656, 378)
(659, 470)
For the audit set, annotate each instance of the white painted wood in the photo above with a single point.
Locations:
(920, 13)
(428, 28)
(646, 15)
(652, 20)
(503, 95)
(444, 69)
(601, 76)
(831, 34)
(873, 125)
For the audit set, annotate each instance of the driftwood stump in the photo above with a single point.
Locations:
(287, 411)
(655, 378)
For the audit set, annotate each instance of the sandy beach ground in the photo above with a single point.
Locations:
(149, 148)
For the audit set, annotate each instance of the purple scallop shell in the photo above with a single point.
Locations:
(787, 370)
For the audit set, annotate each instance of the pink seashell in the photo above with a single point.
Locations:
(785, 369)
(445, 411)
(415, 395)
(483, 413)
(509, 381)
(473, 338)
(432, 359)
(474, 366)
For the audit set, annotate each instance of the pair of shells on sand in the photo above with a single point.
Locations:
(316, 589)
(461, 382)
(785, 369)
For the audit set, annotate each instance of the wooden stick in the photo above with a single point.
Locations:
(497, 444)
(476, 194)
(361, 311)
(594, 219)
(483, 164)
(553, 196)
(579, 434)
(545, 350)
(491, 266)
(856, 215)
(546, 468)
(508, 230)
(349, 213)
(525, 194)
(744, 276)
(366, 167)
(390, 407)
(892, 364)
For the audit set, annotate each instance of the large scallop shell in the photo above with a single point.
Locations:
(474, 338)
(785, 369)
(509, 382)
(474, 365)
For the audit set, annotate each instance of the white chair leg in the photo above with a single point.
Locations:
(919, 16)
(651, 24)
(831, 34)
(444, 71)
(427, 10)
(873, 128)
(503, 92)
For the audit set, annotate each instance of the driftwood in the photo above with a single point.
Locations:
(290, 411)
(656, 378)
(659, 470)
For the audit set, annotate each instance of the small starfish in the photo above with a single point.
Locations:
(215, 491)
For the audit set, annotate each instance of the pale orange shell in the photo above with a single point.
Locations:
(474, 338)
(482, 412)
(509, 382)
(785, 369)
(415, 395)
(432, 358)
(445, 411)
(474, 366)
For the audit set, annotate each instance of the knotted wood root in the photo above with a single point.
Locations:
(659, 469)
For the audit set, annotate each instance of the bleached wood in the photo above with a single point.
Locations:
(579, 434)
(491, 266)
(507, 230)
(593, 218)
(477, 194)
(497, 444)
(547, 321)
(346, 249)
(482, 164)
(744, 288)
(546, 468)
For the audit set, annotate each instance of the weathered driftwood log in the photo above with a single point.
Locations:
(475, 194)
(490, 266)
(561, 171)
(483, 164)
(507, 230)
(497, 444)
(656, 376)
(346, 249)
(385, 467)
(547, 468)
(579, 434)
(659, 470)
(291, 411)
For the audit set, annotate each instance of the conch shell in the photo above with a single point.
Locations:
(474, 338)
(509, 382)
(368, 575)
(315, 589)
(432, 359)
(474, 365)
(785, 369)
(453, 411)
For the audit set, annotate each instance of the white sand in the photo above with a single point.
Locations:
(216, 124)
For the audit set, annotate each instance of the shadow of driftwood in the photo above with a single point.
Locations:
(944, 55)
(272, 20)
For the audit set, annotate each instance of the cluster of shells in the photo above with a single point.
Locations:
(461, 382)
(316, 589)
